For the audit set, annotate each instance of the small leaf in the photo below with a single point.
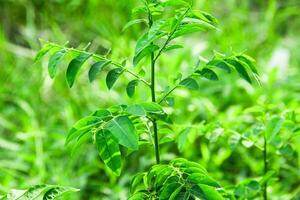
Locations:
(201, 15)
(168, 190)
(182, 138)
(180, 3)
(112, 77)
(83, 125)
(133, 22)
(144, 109)
(75, 66)
(54, 60)
(174, 46)
(286, 150)
(108, 149)
(124, 131)
(130, 89)
(208, 74)
(96, 68)
(240, 69)
(249, 61)
(143, 53)
(58, 191)
(43, 51)
(273, 127)
(146, 39)
(220, 64)
(190, 83)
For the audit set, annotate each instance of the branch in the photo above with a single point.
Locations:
(99, 57)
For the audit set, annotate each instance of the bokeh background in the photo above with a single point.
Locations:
(36, 112)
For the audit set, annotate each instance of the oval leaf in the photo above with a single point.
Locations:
(75, 66)
(130, 89)
(96, 68)
(190, 83)
(124, 131)
(108, 149)
(112, 77)
(54, 60)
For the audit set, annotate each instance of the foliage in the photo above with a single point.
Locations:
(245, 136)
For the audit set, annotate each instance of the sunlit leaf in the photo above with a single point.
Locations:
(133, 22)
(108, 149)
(124, 131)
(143, 53)
(43, 51)
(54, 61)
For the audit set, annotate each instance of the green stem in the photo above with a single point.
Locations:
(265, 153)
(153, 98)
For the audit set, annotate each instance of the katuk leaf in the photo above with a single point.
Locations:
(43, 51)
(112, 77)
(190, 83)
(108, 149)
(75, 66)
(124, 131)
(130, 89)
(54, 61)
(96, 68)
(208, 74)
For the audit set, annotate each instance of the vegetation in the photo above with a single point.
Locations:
(199, 120)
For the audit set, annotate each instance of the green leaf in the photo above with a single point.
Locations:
(45, 192)
(43, 51)
(96, 68)
(144, 109)
(182, 138)
(124, 131)
(133, 22)
(112, 77)
(169, 189)
(58, 191)
(143, 53)
(240, 69)
(190, 83)
(208, 73)
(130, 89)
(249, 61)
(54, 60)
(204, 16)
(220, 64)
(75, 66)
(146, 39)
(172, 47)
(210, 192)
(181, 3)
(108, 149)
(188, 28)
(84, 125)
(35, 191)
(273, 127)
(286, 150)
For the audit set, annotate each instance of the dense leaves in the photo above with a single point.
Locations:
(181, 179)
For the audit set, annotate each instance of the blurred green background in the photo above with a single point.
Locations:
(37, 112)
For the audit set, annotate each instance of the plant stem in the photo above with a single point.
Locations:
(265, 194)
(153, 98)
